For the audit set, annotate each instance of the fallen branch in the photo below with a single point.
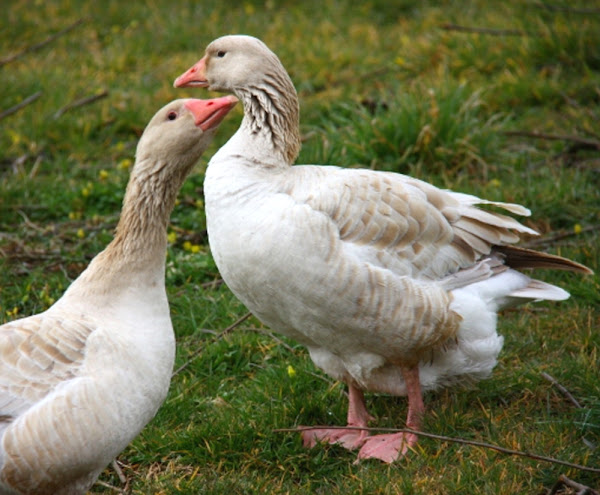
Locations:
(17, 165)
(32, 256)
(562, 8)
(29, 223)
(562, 389)
(41, 44)
(279, 341)
(493, 32)
(542, 241)
(585, 142)
(216, 338)
(119, 471)
(443, 438)
(19, 106)
(36, 166)
(213, 284)
(110, 487)
(81, 102)
(564, 481)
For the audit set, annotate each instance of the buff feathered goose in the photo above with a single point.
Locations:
(392, 284)
(79, 381)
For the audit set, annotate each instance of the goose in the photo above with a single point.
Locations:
(80, 380)
(392, 284)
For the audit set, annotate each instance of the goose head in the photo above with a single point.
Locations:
(234, 62)
(245, 66)
(181, 131)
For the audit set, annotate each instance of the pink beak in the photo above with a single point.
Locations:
(194, 77)
(208, 114)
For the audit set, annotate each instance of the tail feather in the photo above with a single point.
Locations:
(538, 290)
(519, 257)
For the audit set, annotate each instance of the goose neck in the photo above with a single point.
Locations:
(271, 116)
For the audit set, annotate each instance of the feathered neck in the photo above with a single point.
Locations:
(149, 200)
(140, 242)
(271, 115)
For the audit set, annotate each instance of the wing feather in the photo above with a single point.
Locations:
(410, 226)
(37, 353)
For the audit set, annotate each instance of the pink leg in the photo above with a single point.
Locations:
(357, 416)
(390, 447)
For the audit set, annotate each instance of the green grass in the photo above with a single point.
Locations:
(381, 85)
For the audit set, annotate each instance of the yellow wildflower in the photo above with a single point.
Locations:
(125, 164)
(12, 312)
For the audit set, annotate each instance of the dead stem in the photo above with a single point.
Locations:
(19, 106)
(564, 481)
(80, 102)
(216, 338)
(451, 439)
(562, 389)
(41, 44)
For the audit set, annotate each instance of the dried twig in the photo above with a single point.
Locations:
(279, 341)
(562, 8)
(328, 381)
(542, 241)
(29, 223)
(119, 471)
(81, 102)
(562, 389)
(478, 30)
(213, 284)
(564, 481)
(36, 166)
(24, 103)
(18, 164)
(41, 44)
(217, 337)
(584, 142)
(443, 438)
(573, 400)
(110, 487)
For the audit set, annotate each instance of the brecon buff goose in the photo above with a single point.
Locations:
(392, 284)
(79, 381)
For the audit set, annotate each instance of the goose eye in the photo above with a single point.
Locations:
(172, 115)
(221, 53)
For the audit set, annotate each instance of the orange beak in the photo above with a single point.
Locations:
(194, 77)
(208, 114)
